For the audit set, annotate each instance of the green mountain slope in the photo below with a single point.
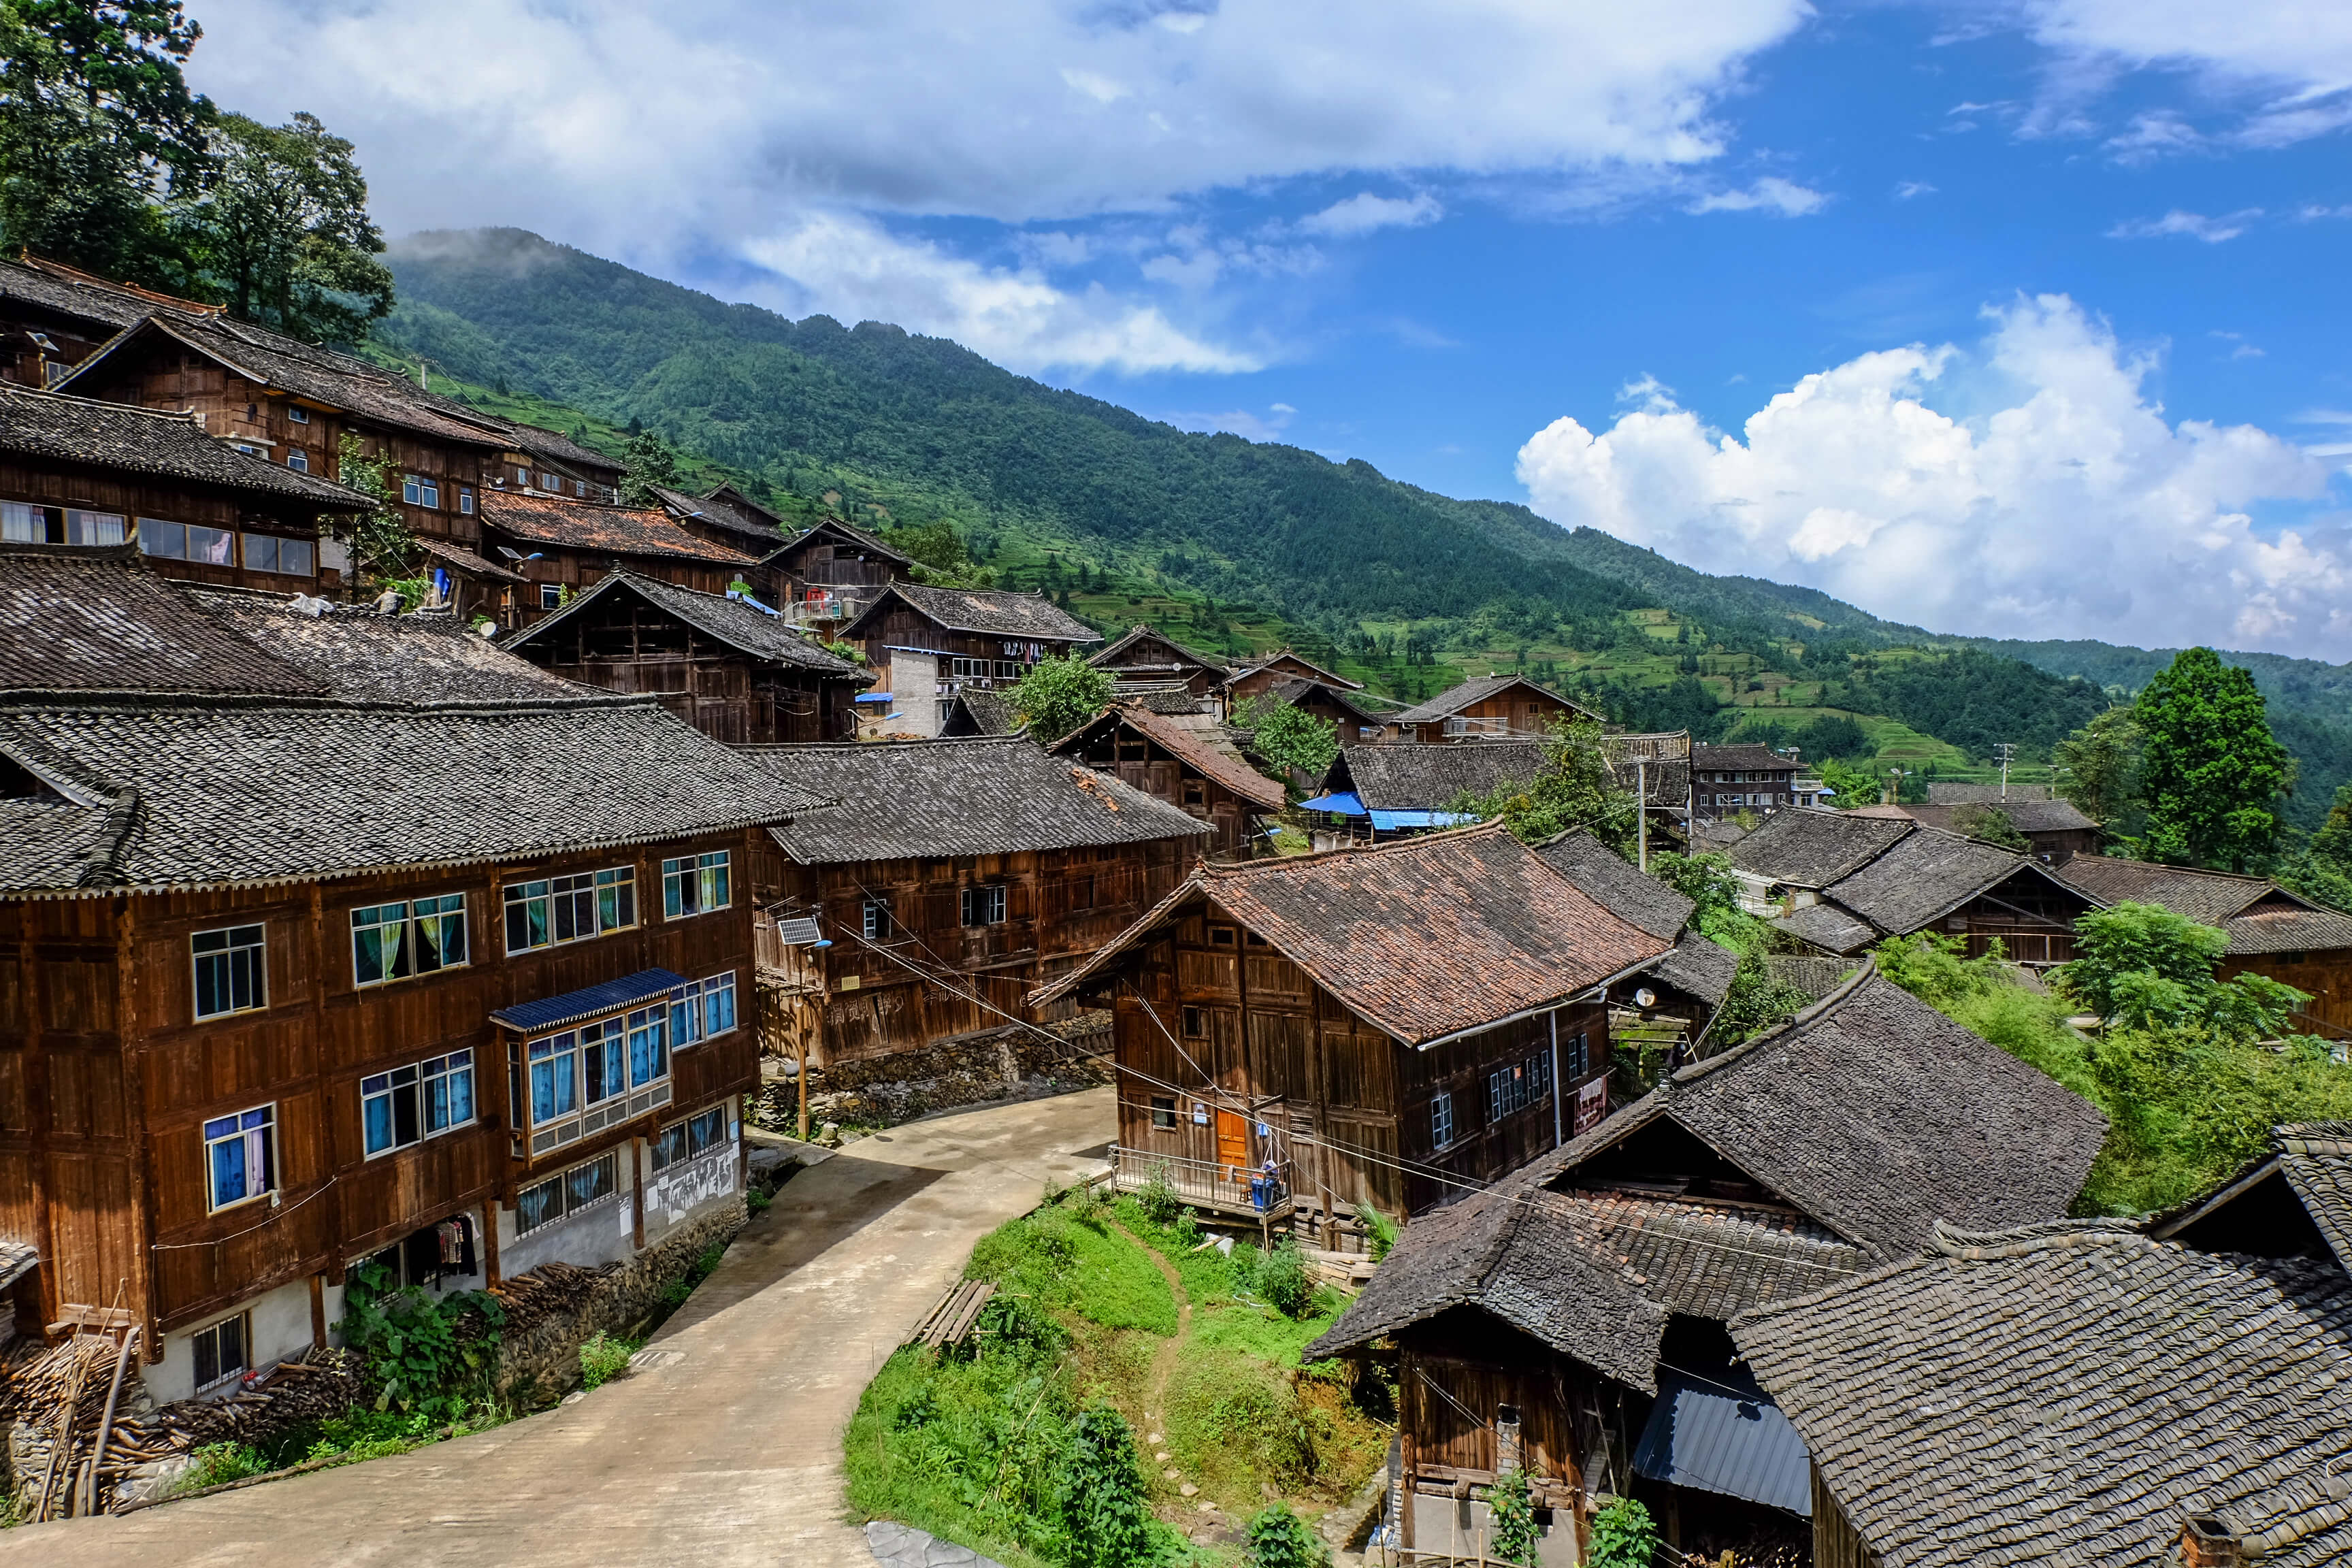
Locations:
(1239, 544)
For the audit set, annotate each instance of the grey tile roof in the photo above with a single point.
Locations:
(1942, 792)
(1140, 633)
(2269, 929)
(252, 790)
(92, 300)
(2066, 1394)
(1808, 848)
(1028, 617)
(1918, 877)
(53, 427)
(1408, 775)
(756, 537)
(992, 795)
(1699, 968)
(1291, 691)
(591, 526)
(843, 532)
(79, 619)
(1477, 689)
(1615, 883)
(987, 713)
(2025, 815)
(2317, 1159)
(464, 560)
(1305, 668)
(427, 660)
(541, 442)
(1827, 927)
(1741, 757)
(756, 633)
(2208, 897)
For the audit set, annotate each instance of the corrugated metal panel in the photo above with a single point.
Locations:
(1705, 1436)
(609, 997)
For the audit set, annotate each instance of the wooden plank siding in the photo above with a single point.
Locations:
(1137, 760)
(132, 496)
(622, 644)
(106, 1079)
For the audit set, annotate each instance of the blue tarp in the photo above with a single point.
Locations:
(873, 697)
(1342, 804)
(573, 1006)
(1390, 821)
(1715, 1436)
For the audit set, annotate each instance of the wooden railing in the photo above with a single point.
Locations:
(1229, 1189)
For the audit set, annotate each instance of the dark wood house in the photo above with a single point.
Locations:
(1148, 655)
(451, 1015)
(832, 570)
(927, 644)
(952, 877)
(565, 547)
(1190, 760)
(1727, 781)
(1574, 1323)
(1501, 706)
(2103, 1391)
(539, 461)
(1374, 793)
(729, 667)
(1391, 1026)
(102, 474)
(739, 524)
(1662, 1015)
(53, 316)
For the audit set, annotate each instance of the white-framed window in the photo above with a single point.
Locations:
(297, 414)
(288, 557)
(1008, 669)
(187, 541)
(466, 500)
(23, 524)
(298, 459)
(580, 489)
(568, 1192)
(550, 482)
(232, 970)
(420, 489)
(1441, 1119)
(551, 595)
(984, 906)
(240, 1157)
(585, 1080)
(685, 1139)
(702, 1008)
(875, 920)
(410, 1104)
(569, 908)
(415, 936)
(696, 884)
(220, 1351)
(251, 450)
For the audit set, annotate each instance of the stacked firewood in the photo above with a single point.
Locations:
(552, 1290)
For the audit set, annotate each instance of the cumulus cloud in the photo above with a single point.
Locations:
(2284, 65)
(1770, 194)
(2194, 225)
(2027, 485)
(1364, 211)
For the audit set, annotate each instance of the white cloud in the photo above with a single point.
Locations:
(1364, 211)
(1771, 194)
(2195, 225)
(2287, 64)
(1908, 190)
(2041, 494)
(1241, 422)
(848, 267)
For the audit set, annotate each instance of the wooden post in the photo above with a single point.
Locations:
(1641, 808)
(317, 1311)
(490, 1241)
(638, 1190)
(113, 1393)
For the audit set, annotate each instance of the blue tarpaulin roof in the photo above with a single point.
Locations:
(574, 1005)
(1344, 804)
(873, 697)
(1390, 821)
(1704, 1434)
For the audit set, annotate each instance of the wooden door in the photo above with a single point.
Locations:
(1233, 1141)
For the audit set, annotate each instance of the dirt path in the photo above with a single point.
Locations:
(731, 1454)
(1163, 1360)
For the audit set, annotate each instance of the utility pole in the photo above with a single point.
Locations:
(2001, 753)
(1641, 808)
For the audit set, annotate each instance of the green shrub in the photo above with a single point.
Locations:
(217, 1462)
(1510, 1502)
(1158, 1200)
(602, 1359)
(1280, 1539)
(1622, 1537)
(424, 1355)
(1378, 1230)
(1188, 1229)
(1278, 1277)
(1106, 1522)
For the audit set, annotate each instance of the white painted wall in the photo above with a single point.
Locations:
(914, 693)
(1441, 1524)
(605, 1233)
(280, 1331)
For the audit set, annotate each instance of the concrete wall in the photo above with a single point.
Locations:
(280, 1326)
(1459, 1524)
(605, 1231)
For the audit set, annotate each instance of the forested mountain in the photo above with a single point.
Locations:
(1237, 542)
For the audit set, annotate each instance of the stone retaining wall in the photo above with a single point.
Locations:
(968, 1069)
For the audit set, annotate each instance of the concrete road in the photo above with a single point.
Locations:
(731, 1453)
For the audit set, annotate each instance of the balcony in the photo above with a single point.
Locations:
(1243, 1192)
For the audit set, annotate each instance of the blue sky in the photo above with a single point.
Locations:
(2022, 319)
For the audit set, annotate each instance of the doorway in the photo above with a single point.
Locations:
(1233, 1142)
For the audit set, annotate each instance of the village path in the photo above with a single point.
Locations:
(730, 1455)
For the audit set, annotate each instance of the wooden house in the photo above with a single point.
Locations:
(565, 547)
(831, 571)
(1500, 706)
(53, 316)
(1727, 781)
(1148, 655)
(2272, 932)
(1255, 676)
(1286, 679)
(1574, 1323)
(1983, 1401)
(539, 461)
(304, 972)
(2054, 831)
(952, 877)
(102, 474)
(737, 525)
(728, 665)
(1660, 1014)
(1391, 1026)
(1374, 793)
(1187, 759)
(927, 644)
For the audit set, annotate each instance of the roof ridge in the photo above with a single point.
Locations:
(1985, 1246)
(180, 416)
(1829, 1000)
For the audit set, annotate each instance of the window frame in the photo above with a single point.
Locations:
(1163, 1113)
(874, 919)
(421, 1076)
(660, 1153)
(298, 459)
(296, 414)
(580, 889)
(465, 500)
(421, 490)
(708, 876)
(253, 1127)
(693, 1006)
(566, 1200)
(551, 595)
(990, 900)
(1444, 1130)
(411, 916)
(229, 948)
(200, 1384)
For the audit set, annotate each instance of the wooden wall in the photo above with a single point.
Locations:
(2031, 917)
(580, 570)
(106, 1079)
(1143, 763)
(2326, 974)
(903, 627)
(134, 496)
(1521, 710)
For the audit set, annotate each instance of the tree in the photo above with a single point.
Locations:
(645, 462)
(940, 556)
(1850, 786)
(1706, 881)
(2101, 766)
(2210, 768)
(1103, 1516)
(283, 235)
(96, 126)
(2143, 967)
(1058, 695)
(383, 550)
(1577, 788)
(1287, 736)
(2321, 870)
(1988, 824)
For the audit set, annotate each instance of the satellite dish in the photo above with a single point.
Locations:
(1645, 997)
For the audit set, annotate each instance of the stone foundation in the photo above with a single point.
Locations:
(1010, 1063)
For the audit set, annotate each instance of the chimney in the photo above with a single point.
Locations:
(2208, 1540)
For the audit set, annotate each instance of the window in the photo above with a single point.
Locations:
(580, 489)
(410, 1104)
(189, 541)
(1195, 793)
(232, 971)
(551, 595)
(1196, 1024)
(466, 500)
(1008, 669)
(567, 1192)
(876, 918)
(685, 1139)
(1221, 936)
(297, 414)
(392, 942)
(694, 885)
(1576, 1056)
(554, 1077)
(702, 1009)
(547, 481)
(1163, 1113)
(569, 908)
(984, 906)
(240, 1157)
(268, 552)
(298, 459)
(1441, 1119)
(593, 1068)
(219, 1351)
(21, 524)
(522, 478)
(417, 490)
(1507, 1092)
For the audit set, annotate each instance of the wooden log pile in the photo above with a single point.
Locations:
(552, 1290)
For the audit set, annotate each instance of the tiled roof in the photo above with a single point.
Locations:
(541, 442)
(1615, 883)
(2313, 1161)
(182, 792)
(1699, 967)
(2317, 1159)
(1424, 938)
(2270, 930)
(17, 1259)
(2067, 1394)
(52, 426)
(429, 659)
(1109, 656)
(1827, 927)
(757, 537)
(1291, 691)
(464, 560)
(1171, 699)
(609, 530)
(1308, 669)
(1198, 744)
(1808, 848)
(2025, 815)
(1940, 792)
(1408, 775)
(68, 291)
(730, 621)
(989, 713)
(845, 531)
(1445, 704)
(1703, 1258)
(1031, 617)
(1738, 758)
(79, 619)
(924, 799)
(2208, 897)
(1919, 878)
